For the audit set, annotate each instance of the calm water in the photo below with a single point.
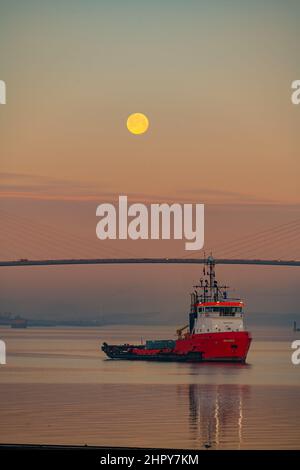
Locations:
(57, 387)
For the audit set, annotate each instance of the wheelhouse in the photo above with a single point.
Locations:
(220, 309)
(212, 310)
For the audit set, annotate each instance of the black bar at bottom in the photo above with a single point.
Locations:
(124, 457)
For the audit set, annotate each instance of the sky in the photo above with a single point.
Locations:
(214, 79)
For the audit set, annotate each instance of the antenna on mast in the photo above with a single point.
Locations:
(204, 262)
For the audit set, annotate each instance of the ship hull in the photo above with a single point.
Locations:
(205, 347)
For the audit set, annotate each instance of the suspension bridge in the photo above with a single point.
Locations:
(56, 262)
(24, 242)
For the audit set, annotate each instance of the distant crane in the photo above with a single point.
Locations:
(295, 327)
(180, 330)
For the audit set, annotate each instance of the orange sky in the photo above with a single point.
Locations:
(214, 81)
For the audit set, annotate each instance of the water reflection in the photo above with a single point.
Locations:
(216, 414)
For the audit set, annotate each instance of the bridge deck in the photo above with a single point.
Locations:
(55, 262)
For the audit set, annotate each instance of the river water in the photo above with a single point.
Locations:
(58, 388)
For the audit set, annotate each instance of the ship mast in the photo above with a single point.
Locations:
(209, 288)
(211, 263)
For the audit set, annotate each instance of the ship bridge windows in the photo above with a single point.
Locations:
(237, 309)
(222, 311)
(229, 311)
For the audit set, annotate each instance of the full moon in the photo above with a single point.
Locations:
(137, 123)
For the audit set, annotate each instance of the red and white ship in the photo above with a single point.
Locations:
(215, 331)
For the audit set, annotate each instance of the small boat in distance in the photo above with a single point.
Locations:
(18, 322)
(215, 331)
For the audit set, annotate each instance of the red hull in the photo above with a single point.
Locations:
(232, 345)
(229, 346)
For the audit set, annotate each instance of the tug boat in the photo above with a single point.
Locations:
(215, 331)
